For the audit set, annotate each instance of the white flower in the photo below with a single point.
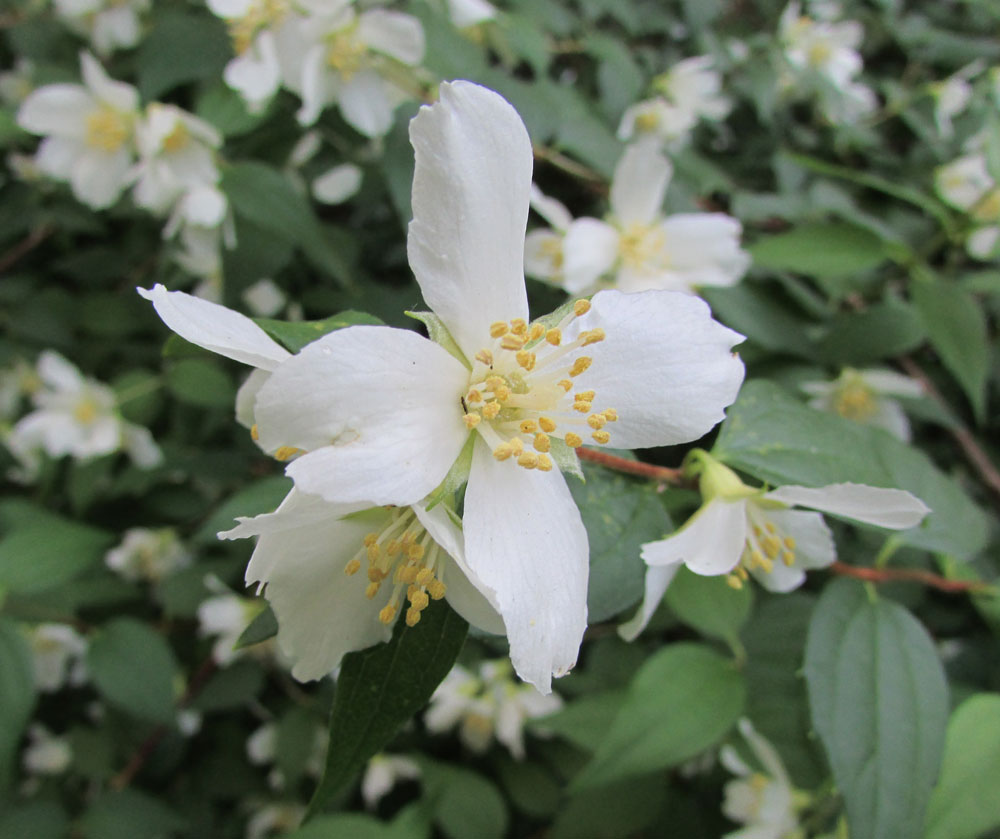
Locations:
(108, 24)
(272, 819)
(865, 396)
(17, 83)
(543, 248)
(264, 298)
(382, 773)
(338, 184)
(349, 61)
(951, 97)
(489, 705)
(45, 753)
(57, 652)
(740, 529)
(657, 118)
(967, 185)
(638, 249)
(146, 554)
(176, 154)
(764, 801)
(262, 750)
(466, 13)
(78, 417)
(224, 617)
(89, 133)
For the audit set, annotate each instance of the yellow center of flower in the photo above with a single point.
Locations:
(85, 411)
(403, 553)
(107, 129)
(521, 391)
(854, 400)
(819, 53)
(766, 544)
(262, 14)
(176, 139)
(647, 122)
(345, 52)
(552, 250)
(987, 208)
(642, 247)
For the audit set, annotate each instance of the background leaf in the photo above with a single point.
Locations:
(17, 695)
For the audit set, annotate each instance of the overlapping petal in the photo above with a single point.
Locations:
(710, 543)
(639, 184)
(892, 508)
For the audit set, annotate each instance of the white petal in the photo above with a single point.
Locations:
(890, 383)
(366, 104)
(710, 543)
(216, 328)
(704, 248)
(892, 508)
(471, 189)
(322, 613)
(338, 184)
(246, 396)
(639, 184)
(814, 545)
(590, 250)
(60, 109)
(58, 373)
(890, 416)
(658, 580)
(120, 96)
(393, 33)
(98, 178)
(56, 156)
(377, 409)
(255, 75)
(470, 12)
(525, 540)
(665, 366)
(553, 211)
(543, 251)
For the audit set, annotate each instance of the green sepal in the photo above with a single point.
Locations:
(565, 458)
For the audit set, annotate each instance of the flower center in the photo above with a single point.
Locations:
(766, 544)
(262, 14)
(855, 401)
(647, 122)
(819, 53)
(519, 391)
(107, 130)
(176, 139)
(988, 207)
(346, 52)
(85, 411)
(642, 247)
(404, 552)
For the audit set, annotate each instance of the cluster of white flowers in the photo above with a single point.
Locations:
(967, 184)
(822, 60)
(149, 555)
(635, 248)
(74, 416)
(327, 53)
(489, 705)
(109, 25)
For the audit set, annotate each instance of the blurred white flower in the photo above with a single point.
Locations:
(149, 555)
(46, 754)
(543, 247)
(967, 185)
(264, 298)
(17, 83)
(88, 133)
(57, 653)
(338, 184)
(951, 97)
(492, 704)
(262, 750)
(865, 396)
(16, 382)
(466, 13)
(382, 773)
(75, 416)
(273, 819)
(108, 24)
(224, 617)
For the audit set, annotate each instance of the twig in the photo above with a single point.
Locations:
(663, 474)
(886, 575)
(572, 167)
(25, 246)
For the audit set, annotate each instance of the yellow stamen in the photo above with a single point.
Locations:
(601, 437)
(528, 426)
(412, 617)
(498, 329)
(436, 589)
(581, 307)
(582, 407)
(542, 442)
(789, 543)
(503, 451)
(419, 600)
(584, 396)
(526, 359)
(511, 342)
(472, 420)
(593, 337)
(544, 463)
(546, 424)
(597, 421)
(388, 614)
(529, 460)
(519, 326)
(611, 415)
(286, 452)
(254, 433)
(486, 357)
(415, 552)
(580, 365)
(372, 590)
(554, 337)
(502, 393)
(536, 332)
(352, 567)
(565, 384)
(474, 396)
(517, 444)
(424, 577)
(734, 582)
(491, 410)
(106, 130)
(574, 441)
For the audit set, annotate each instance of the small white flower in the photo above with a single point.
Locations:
(865, 396)
(57, 652)
(338, 184)
(543, 248)
(149, 555)
(264, 298)
(765, 802)
(466, 13)
(967, 185)
(46, 754)
(741, 530)
(638, 248)
(274, 819)
(224, 617)
(108, 24)
(89, 133)
(951, 97)
(382, 773)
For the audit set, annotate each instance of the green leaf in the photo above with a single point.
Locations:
(620, 514)
(36, 819)
(264, 196)
(17, 695)
(777, 439)
(117, 815)
(181, 48)
(623, 808)
(880, 331)
(965, 803)
(532, 789)
(956, 325)
(407, 825)
(709, 604)
(820, 250)
(704, 694)
(45, 550)
(224, 108)
(577, 721)
(202, 383)
(234, 686)
(260, 629)
(879, 702)
(754, 310)
(132, 667)
(380, 688)
(294, 335)
(463, 803)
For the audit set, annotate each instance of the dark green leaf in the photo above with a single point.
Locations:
(294, 335)
(463, 803)
(17, 695)
(35, 820)
(879, 702)
(261, 628)
(610, 811)
(881, 331)
(234, 686)
(181, 48)
(578, 721)
(820, 250)
(201, 383)
(709, 604)
(118, 815)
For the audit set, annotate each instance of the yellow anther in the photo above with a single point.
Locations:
(519, 326)
(419, 600)
(574, 441)
(565, 384)
(593, 337)
(493, 382)
(412, 617)
(415, 552)
(286, 453)
(486, 357)
(176, 139)
(502, 393)
(597, 421)
(584, 396)
(601, 437)
(580, 365)
(542, 442)
(106, 130)
(472, 420)
(554, 336)
(408, 574)
(734, 582)
(582, 407)
(536, 332)
(373, 553)
(388, 614)
(371, 539)
(544, 463)
(528, 426)
(474, 396)
(770, 528)
(546, 424)
(789, 543)
(756, 558)
(424, 577)
(498, 329)
(372, 590)
(529, 460)
(511, 342)
(503, 451)
(581, 307)
(772, 547)
(741, 572)
(611, 415)
(517, 444)
(436, 589)
(393, 547)
(374, 575)
(491, 410)
(788, 557)
(526, 359)
(254, 433)
(352, 567)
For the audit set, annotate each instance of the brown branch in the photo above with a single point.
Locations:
(886, 575)
(664, 474)
(25, 246)
(595, 179)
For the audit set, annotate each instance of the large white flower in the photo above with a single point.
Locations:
(866, 396)
(742, 530)
(89, 133)
(638, 248)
